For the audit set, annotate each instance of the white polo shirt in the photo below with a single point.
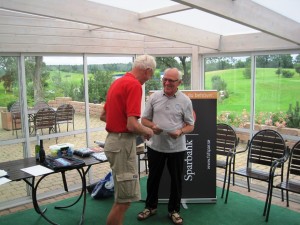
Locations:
(170, 114)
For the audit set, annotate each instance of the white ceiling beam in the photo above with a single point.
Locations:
(95, 14)
(255, 42)
(250, 14)
(68, 40)
(25, 27)
(163, 11)
(69, 49)
(58, 29)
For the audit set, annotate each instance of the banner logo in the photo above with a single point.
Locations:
(190, 173)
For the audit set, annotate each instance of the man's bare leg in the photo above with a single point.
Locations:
(117, 213)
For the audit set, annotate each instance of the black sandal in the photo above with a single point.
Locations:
(176, 219)
(146, 214)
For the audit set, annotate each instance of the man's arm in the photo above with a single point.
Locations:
(184, 130)
(103, 116)
(134, 126)
(148, 123)
(187, 129)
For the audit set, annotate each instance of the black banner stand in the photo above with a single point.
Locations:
(199, 178)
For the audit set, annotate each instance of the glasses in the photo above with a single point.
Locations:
(170, 80)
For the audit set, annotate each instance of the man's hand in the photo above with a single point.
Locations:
(156, 129)
(175, 134)
(149, 133)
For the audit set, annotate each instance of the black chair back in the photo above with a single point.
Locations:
(294, 162)
(226, 144)
(265, 147)
(16, 117)
(45, 118)
(65, 115)
(226, 139)
(40, 105)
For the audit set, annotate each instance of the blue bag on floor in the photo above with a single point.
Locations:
(104, 188)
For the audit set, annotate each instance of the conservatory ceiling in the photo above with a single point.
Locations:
(211, 26)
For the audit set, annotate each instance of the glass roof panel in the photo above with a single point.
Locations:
(202, 20)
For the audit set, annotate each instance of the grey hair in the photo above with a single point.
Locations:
(178, 71)
(145, 62)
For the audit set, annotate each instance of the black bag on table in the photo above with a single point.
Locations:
(63, 163)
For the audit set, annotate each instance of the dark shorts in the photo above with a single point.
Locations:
(120, 150)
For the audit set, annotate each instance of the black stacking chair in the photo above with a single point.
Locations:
(65, 115)
(45, 119)
(266, 152)
(16, 117)
(226, 143)
(292, 180)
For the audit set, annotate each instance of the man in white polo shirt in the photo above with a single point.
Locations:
(169, 113)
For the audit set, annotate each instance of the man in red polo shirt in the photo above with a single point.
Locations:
(121, 113)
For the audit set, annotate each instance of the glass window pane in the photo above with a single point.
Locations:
(9, 96)
(55, 82)
(102, 71)
(231, 77)
(277, 93)
(11, 190)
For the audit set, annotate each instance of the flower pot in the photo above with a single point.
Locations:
(6, 120)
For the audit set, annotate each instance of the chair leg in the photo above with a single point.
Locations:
(269, 191)
(16, 129)
(268, 202)
(139, 165)
(248, 184)
(233, 175)
(228, 185)
(146, 166)
(73, 126)
(12, 127)
(224, 183)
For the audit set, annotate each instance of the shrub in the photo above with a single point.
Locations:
(287, 73)
(279, 71)
(293, 116)
(9, 105)
(247, 73)
(297, 67)
(220, 85)
(278, 119)
(237, 120)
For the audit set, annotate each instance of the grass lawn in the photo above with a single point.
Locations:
(273, 93)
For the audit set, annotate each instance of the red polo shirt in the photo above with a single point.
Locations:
(123, 100)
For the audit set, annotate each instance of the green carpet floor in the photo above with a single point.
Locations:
(240, 210)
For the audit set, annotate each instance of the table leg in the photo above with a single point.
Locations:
(82, 174)
(35, 201)
(34, 188)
